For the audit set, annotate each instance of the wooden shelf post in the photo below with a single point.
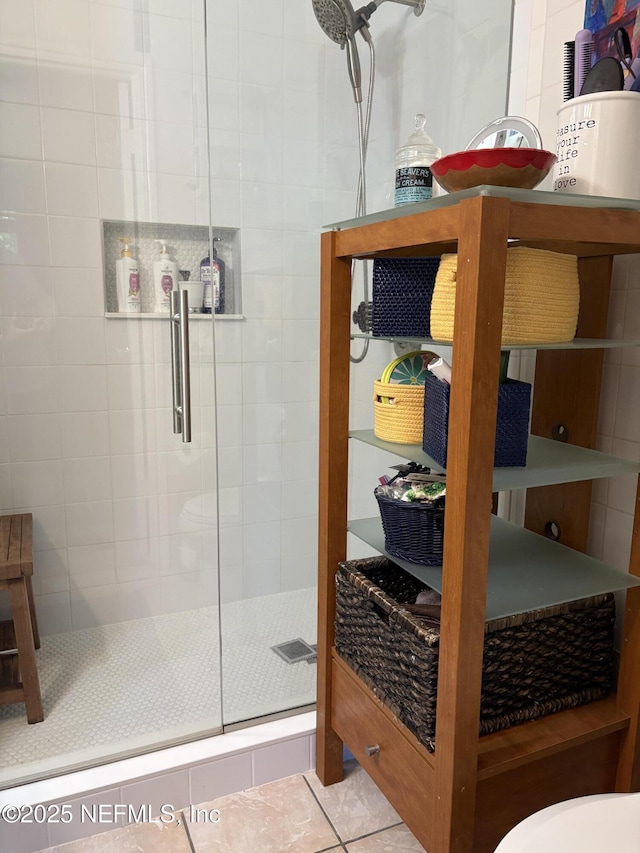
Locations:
(335, 309)
(482, 250)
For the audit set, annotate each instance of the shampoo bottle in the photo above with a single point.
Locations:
(212, 274)
(414, 181)
(127, 280)
(165, 278)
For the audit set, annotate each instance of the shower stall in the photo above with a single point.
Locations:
(174, 580)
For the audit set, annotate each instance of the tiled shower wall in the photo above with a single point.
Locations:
(102, 115)
(541, 28)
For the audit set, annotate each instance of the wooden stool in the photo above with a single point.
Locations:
(19, 636)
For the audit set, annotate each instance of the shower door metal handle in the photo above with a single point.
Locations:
(175, 363)
(185, 366)
(180, 364)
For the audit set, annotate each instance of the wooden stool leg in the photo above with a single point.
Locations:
(26, 651)
(32, 611)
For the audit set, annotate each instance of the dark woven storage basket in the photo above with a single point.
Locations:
(534, 663)
(413, 531)
(512, 424)
(402, 291)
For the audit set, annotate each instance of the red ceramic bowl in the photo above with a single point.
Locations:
(497, 167)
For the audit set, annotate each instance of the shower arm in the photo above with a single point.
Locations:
(367, 11)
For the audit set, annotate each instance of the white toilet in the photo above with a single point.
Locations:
(602, 823)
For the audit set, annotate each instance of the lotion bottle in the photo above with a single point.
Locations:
(165, 278)
(127, 280)
(212, 275)
(414, 181)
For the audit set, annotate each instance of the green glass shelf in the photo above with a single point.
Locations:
(530, 196)
(548, 462)
(526, 571)
(576, 343)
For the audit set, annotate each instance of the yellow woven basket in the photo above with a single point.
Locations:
(541, 298)
(398, 412)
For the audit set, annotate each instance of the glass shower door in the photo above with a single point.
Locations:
(266, 182)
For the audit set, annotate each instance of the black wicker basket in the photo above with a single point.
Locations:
(402, 291)
(534, 663)
(512, 424)
(412, 531)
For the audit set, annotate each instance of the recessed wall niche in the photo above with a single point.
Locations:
(187, 245)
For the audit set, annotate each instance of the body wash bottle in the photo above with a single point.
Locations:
(165, 278)
(212, 274)
(127, 280)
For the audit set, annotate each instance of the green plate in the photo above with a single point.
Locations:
(410, 369)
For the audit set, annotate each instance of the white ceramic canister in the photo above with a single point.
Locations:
(597, 145)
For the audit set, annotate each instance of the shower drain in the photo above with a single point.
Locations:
(294, 651)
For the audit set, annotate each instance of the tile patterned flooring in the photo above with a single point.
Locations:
(129, 686)
(293, 815)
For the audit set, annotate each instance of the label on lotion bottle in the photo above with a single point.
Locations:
(167, 284)
(413, 183)
(134, 287)
(205, 275)
(210, 275)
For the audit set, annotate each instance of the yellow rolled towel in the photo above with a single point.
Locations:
(541, 299)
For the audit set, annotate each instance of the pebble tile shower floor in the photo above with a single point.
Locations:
(293, 815)
(131, 685)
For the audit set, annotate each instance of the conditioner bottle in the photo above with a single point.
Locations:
(165, 278)
(127, 280)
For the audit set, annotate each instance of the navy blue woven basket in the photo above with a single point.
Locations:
(512, 427)
(402, 291)
(412, 531)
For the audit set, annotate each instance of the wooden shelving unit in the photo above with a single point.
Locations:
(466, 796)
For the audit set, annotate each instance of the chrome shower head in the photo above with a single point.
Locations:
(337, 19)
